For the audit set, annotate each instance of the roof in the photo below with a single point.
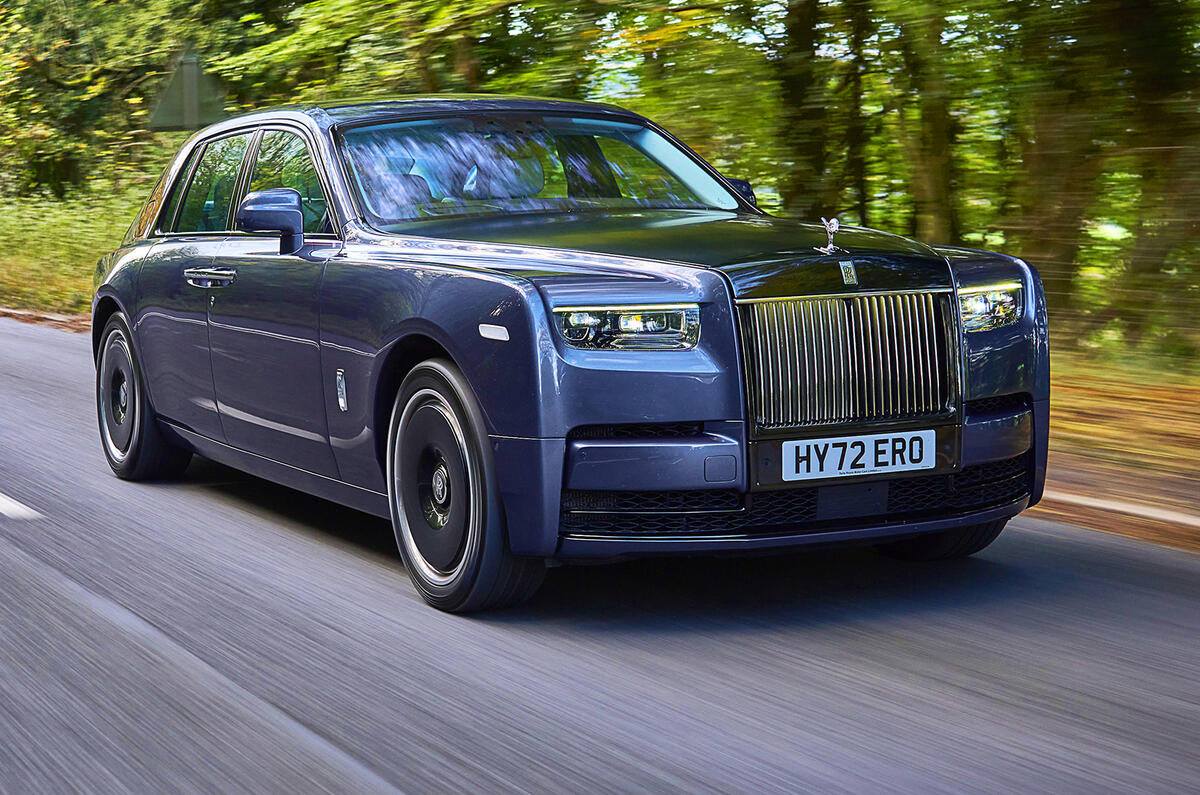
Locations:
(324, 115)
(424, 103)
(337, 112)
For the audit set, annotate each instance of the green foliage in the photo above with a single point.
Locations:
(51, 245)
(1067, 132)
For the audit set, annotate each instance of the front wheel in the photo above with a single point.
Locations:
(445, 504)
(946, 545)
(133, 444)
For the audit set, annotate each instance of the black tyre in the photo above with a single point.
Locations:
(129, 434)
(446, 510)
(946, 545)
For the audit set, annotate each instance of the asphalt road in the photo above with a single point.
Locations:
(226, 634)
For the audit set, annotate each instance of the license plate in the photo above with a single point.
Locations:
(842, 456)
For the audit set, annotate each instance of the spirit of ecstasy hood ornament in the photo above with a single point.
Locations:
(831, 228)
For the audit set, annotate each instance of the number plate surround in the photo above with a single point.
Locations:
(766, 456)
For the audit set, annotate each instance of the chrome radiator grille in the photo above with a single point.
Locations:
(823, 361)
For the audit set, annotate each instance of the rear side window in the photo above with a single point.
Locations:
(141, 224)
(283, 162)
(206, 202)
(167, 217)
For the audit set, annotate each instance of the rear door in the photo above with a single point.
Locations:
(176, 284)
(264, 327)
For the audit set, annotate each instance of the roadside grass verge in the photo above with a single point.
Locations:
(49, 247)
(1144, 417)
(1128, 432)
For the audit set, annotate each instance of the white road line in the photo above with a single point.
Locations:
(1130, 508)
(16, 510)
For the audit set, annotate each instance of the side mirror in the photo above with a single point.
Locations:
(743, 188)
(275, 210)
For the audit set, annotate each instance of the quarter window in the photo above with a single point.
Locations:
(167, 217)
(206, 202)
(141, 224)
(283, 162)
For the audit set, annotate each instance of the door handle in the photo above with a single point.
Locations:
(210, 277)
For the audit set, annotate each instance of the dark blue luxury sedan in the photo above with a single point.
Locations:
(530, 331)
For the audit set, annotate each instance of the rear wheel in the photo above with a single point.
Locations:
(946, 545)
(133, 444)
(445, 504)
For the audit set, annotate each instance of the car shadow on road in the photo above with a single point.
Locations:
(359, 531)
(682, 594)
(796, 588)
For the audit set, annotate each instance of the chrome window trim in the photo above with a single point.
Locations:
(256, 130)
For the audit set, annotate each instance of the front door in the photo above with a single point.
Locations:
(263, 327)
(175, 286)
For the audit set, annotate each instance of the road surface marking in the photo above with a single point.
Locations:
(16, 510)
(1133, 509)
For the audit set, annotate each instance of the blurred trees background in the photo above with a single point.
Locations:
(1067, 132)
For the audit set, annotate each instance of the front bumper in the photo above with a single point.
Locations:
(582, 547)
(687, 491)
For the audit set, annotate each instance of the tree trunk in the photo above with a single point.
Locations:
(856, 128)
(466, 63)
(804, 185)
(1061, 166)
(1159, 57)
(933, 173)
(1167, 220)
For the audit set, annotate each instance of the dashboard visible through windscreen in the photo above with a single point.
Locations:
(495, 164)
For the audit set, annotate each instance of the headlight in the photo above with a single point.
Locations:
(665, 327)
(991, 306)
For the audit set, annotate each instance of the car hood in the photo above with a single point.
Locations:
(761, 255)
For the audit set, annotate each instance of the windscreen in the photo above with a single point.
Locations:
(497, 164)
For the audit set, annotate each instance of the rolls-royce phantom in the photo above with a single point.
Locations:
(535, 331)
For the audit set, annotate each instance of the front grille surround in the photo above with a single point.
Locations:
(856, 358)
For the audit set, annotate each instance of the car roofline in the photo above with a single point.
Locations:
(325, 115)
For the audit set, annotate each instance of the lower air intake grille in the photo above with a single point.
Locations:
(644, 430)
(651, 501)
(791, 510)
(997, 405)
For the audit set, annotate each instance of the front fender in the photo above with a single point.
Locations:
(378, 314)
(1013, 360)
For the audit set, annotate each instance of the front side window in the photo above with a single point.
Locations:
(494, 164)
(283, 162)
(206, 203)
